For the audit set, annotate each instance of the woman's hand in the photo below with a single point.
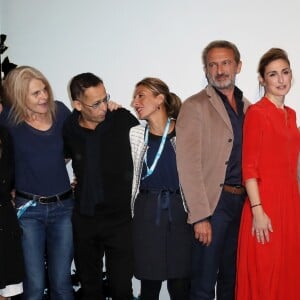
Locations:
(261, 226)
(261, 223)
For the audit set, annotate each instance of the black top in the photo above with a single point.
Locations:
(234, 164)
(102, 164)
(6, 165)
(11, 258)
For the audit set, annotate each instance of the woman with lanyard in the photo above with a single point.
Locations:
(161, 235)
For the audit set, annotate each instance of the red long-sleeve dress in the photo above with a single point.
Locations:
(271, 146)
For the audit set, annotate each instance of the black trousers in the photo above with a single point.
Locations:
(94, 238)
(178, 289)
(216, 264)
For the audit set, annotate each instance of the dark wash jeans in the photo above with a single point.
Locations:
(216, 264)
(47, 226)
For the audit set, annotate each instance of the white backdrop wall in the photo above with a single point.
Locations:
(123, 41)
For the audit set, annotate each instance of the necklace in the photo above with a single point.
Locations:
(159, 151)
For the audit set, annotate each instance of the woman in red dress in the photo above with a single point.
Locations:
(269, 243)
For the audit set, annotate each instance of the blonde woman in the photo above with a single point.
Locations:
(44, 198)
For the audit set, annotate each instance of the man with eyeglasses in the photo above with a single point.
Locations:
(97, 141)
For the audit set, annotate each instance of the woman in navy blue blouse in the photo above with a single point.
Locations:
(161, 235)
(44, 199)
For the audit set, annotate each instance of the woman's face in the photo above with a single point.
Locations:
(37, 98)
(277, 78)
(145, 102)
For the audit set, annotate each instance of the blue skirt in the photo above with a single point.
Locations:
(161, 236)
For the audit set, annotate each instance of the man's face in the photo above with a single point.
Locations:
(221, 68)
(93, 106)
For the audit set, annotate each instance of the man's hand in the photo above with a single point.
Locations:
(113, 105)
(203, 232)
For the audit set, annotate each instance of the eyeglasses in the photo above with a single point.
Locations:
(98, 103)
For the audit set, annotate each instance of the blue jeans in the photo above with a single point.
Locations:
(47, 227)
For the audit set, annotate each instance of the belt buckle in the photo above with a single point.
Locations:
(42, 200)
(235, 189)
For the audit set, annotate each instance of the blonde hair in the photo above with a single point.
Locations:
(16, 86)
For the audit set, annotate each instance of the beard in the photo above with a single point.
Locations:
(221, 81)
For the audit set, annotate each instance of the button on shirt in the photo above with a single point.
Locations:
(233, 174)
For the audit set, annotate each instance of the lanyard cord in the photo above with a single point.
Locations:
(159, 151)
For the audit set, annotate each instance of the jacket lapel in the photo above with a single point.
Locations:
(218, 104)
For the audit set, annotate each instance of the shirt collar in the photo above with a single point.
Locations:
(238, 96)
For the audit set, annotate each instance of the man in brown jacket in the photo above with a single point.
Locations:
(209, 154)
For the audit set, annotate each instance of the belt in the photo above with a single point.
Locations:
(45, 200)
(163, 201)
(234, 189)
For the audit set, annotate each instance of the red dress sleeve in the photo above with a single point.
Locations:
(252, 140)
